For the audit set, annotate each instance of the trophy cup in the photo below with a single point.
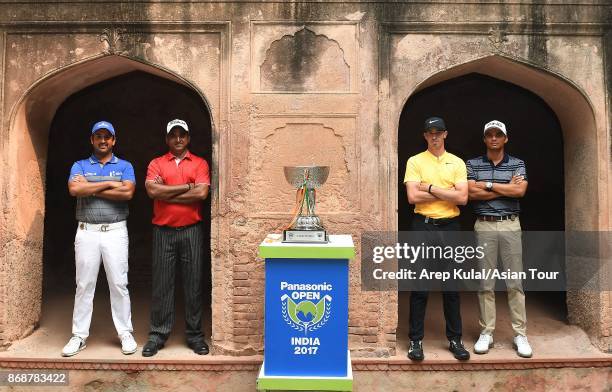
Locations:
(305, 225)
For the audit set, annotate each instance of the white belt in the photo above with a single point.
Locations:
(102, 226)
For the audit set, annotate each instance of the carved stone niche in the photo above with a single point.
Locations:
(312, 58)
(279, 141)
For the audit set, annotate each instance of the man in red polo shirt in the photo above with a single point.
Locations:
(178, 182)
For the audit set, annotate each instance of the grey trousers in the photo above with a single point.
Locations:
(172, 246)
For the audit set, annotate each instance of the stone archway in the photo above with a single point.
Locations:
(466, 103)
(584, 164)
(24, 186)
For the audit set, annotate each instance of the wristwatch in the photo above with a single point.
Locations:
(489, 185)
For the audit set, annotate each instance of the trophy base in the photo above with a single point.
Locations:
(305, 236)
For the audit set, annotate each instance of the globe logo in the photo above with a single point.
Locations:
(306, 311)
(306, 315)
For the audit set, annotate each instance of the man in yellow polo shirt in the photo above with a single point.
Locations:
(436, 183)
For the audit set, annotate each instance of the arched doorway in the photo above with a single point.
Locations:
(468, 102)
(572, 122)
(49, 124)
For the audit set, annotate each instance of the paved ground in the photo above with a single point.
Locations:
(55, 330)
(550, 336)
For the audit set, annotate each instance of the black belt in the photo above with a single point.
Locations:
(434, 221)
(176, 228)
(494, 218)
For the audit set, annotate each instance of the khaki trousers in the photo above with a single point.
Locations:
(503, 239)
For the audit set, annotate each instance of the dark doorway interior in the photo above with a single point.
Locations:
(139, 105)
(466, 103)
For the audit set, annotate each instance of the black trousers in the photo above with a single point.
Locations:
(172, 246)
(418, 299)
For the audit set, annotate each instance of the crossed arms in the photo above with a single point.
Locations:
(78, 186)
(515, 188)
(182, 194)
(418, 192)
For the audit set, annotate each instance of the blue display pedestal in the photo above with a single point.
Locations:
(306, 315)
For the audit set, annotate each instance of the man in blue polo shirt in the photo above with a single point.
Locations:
(102, 184)
(496, 182)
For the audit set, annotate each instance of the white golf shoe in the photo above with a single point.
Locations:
(523, 349)
(484, 343)
(74, 345)
(128, 344)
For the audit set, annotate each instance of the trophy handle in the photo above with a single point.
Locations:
(311, 201)
(299, 205)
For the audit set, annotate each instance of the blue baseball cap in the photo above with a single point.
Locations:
(103, 125)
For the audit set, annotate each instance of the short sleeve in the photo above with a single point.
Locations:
(460, 172)
(202, 173)
(471, 174)
(153, 170)
(75, 170)
(128, 173)
(521, 170)
(412, 172)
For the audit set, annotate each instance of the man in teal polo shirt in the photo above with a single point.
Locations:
(102, 185)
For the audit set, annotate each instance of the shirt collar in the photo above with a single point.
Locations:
(505, 159)
(169, 155)
(94, 160)
(440, 158)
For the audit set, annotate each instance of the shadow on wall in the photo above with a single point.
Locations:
(139, 105)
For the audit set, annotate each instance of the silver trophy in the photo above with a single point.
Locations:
(305, 225)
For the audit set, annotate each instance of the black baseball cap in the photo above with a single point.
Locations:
(434, 123)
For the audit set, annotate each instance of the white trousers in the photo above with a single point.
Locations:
(110, 247)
